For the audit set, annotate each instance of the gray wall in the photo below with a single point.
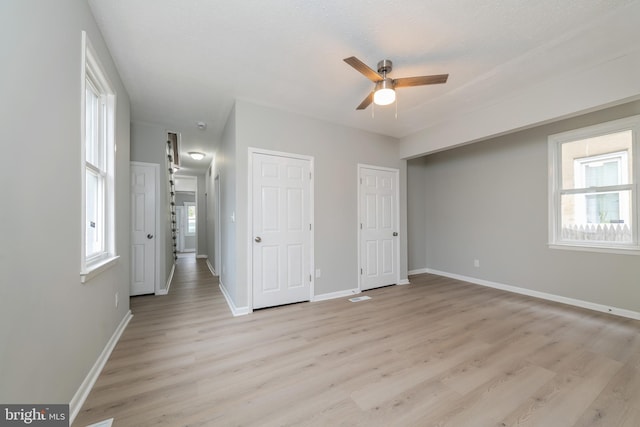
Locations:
(488, 201)
(52, 327)
(337, 150)
(226, 167)
(202, 217)
(416, 214)
(149, 145)
(212, 233)
(185, 196)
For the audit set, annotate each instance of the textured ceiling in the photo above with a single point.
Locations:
(184, 61)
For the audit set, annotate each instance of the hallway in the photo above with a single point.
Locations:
(150, 371)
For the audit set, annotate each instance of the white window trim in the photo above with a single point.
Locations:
(554, 151)
(93, 266)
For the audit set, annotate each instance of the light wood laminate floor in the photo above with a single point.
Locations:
(438, 352)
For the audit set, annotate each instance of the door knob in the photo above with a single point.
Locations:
(395, 233)
(258, 239)
(149, 236)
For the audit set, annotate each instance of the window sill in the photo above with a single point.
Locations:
(97, 268)
(632, 250)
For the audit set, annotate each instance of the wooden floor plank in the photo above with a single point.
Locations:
(437, 352)
(619, 402)
(563, 400)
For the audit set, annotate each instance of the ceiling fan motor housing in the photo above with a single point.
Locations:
(385, 66)
(384, 84)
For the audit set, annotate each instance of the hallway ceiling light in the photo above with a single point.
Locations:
(195, 155)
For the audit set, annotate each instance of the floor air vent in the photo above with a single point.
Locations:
(358, 299)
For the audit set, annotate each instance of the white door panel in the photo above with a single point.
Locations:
(143, 229)
(281, 232)
(379, 250)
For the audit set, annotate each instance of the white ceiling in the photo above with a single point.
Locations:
(184, 61)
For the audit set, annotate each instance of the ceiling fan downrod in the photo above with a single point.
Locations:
(385, 66)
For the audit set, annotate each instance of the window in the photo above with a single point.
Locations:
(191, 218)
(603, 171)
(95, 170)
(593, 187)
(98, 146)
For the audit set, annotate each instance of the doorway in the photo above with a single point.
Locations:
(186, 196)
(280, 228)
(378, 225)
(186, 219)
(144, 251)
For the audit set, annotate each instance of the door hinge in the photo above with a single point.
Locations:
(360, 271)
(309, 175)
(360, 226)
(310, 278)
(309, 227)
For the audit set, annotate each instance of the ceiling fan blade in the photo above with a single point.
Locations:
(363, 68)
(420, 80)
(365, 103)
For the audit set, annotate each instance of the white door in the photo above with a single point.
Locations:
(378, 210)
(143, 229)
(281, 231)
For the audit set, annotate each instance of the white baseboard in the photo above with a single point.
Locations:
(404, 282)
(165, 291)
(85, 388)
(418, 271)
(211, 268)
(333, 295)
(203, 256)
(236, 311)
(542, 295)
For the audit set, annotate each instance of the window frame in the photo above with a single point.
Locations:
(187, 205)
(556, 191)
(95, 79)
(97, 166)
(621, 158)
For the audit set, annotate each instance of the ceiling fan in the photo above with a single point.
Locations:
(384, 92)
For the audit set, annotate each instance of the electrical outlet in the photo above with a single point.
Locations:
(116, 300)
(476, 263)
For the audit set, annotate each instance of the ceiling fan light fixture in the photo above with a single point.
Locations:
(384, 93)
(195, 155)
